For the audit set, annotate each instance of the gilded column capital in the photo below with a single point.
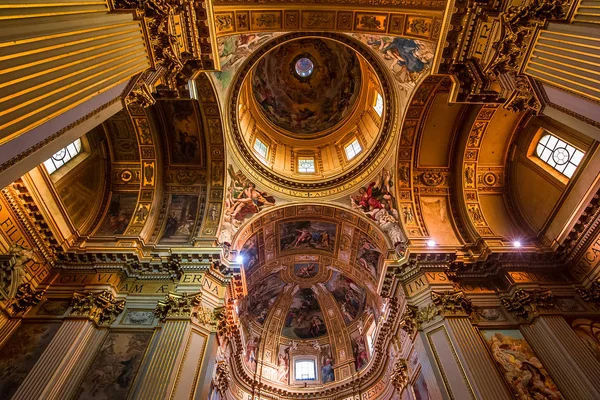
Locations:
(399, 375)
(102, 308)
(452, 302)
(525, 304)
(592, 294)
(176, 305)
(25, 298)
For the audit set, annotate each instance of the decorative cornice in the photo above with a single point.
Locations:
(178, 306)
(102, 308)
(411, 4)
(525, 304)
(25, 298)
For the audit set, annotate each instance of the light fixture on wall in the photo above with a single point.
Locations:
(516, 243)
(431, 243)
(239, 259)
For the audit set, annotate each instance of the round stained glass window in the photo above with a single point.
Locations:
(304, 67)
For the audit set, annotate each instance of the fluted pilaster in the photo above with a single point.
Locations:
(61, 357)
(482, 373)
(7, 327)
(154, 378)
(572, 366)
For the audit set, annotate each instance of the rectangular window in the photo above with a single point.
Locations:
(306, 165)
(378, 106)
(63, 156)
(260, 148)
(559, 154)
(352, 149)
(304, 370)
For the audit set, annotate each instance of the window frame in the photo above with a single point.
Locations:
(546, 149)
(306, 361)
(78, 145)
(61, 171)
(378, 104)
(306, 158)
(260, 141)
(351, 144)
(532, 155)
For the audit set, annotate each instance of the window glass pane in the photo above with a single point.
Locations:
(306, 165)
(63, 156)
(378, 105)
(352, 149)
(260, 148)
(558, 154)
(305, 370)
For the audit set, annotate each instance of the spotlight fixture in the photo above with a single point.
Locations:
(516, 243)
(239, 259)
(431, 243)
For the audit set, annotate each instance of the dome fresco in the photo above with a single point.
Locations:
(307, 86)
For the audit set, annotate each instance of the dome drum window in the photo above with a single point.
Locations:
(558, 154)
(306, 165)
(352, 149)
(261, 148)
(305, 370)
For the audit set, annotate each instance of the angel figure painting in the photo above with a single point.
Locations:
(243, 199)
(377, 202)
(523, 371)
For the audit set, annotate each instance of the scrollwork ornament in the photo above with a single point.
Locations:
(525, 304)
(222, 377)
(399, 375)
(102, 308)
(409, 322)
(452, 302)
(176, 305)
(25, 298)
(592, 294)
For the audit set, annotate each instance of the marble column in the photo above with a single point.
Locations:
(570, 363)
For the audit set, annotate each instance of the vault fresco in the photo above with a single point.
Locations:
(304, 319)
(311, 104)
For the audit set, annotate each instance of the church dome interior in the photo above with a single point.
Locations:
(293, 200)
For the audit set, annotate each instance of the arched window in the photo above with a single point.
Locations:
(63, 156)
(559, 154)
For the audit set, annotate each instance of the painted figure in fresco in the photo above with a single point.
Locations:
(251, 347)
(171, 226)
(307, 234)
(307, 271)
(522, 369)
(249, 201)
(360, 352)
(327, 372)
(369, 256)
(377, 202)
(283, 365)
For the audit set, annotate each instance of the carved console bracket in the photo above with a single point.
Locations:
(102, 308)
(222, 377)
(525, 304)
(452, 302)
(399, 375)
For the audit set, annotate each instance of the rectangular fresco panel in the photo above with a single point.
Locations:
(299, 235)
(120, 211)
(20, 353)
(519, 365)
(185, 138)
(115, 366)
(180, 218)
(304, 319)
(369, 256)
(306, 270)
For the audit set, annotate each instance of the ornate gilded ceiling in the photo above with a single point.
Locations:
(307, 86)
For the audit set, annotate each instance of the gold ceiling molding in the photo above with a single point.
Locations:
(371, 4)
(324, 188)
(418, 25)
(409, 180)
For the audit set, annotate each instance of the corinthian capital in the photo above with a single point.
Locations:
(102, 308)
